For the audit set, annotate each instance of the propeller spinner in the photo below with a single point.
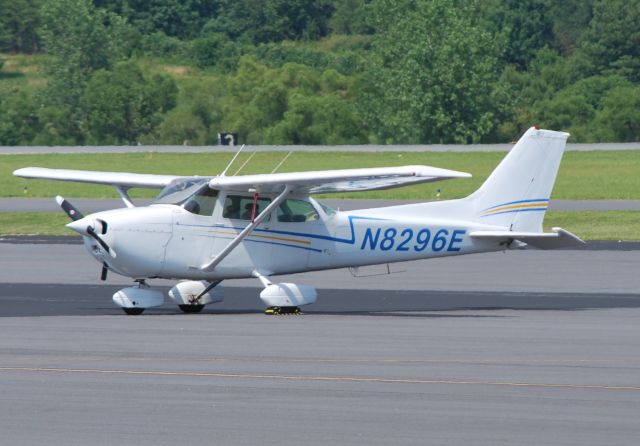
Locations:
(83, 225)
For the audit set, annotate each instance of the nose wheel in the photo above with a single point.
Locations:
(191, 308)
(134, 311)
(273, 311)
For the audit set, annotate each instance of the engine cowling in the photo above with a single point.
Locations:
(138, 297)
(288, 295)
(185, 293)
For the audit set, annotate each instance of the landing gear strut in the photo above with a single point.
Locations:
(282, 310)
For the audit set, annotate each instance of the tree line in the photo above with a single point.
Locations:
(321, 71)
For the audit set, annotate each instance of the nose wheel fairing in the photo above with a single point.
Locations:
(135, 299)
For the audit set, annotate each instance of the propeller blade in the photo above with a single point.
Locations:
(69, 209)
(92, 233)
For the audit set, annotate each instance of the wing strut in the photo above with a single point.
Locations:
(122, 191)
(246, 231)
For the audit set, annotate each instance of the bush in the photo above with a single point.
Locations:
(215, 50)
(159, 44)
(275, 55)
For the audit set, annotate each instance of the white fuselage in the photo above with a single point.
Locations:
(168, 241)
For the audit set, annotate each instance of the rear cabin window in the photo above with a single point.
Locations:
(296, 211)
(240, 208)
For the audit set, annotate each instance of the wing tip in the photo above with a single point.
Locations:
(20, 172)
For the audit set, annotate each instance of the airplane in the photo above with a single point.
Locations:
(203, 230)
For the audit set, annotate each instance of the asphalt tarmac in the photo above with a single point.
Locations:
(527, 348)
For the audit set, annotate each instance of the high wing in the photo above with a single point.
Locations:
(346, 180)
(314, 182)
(118, 179)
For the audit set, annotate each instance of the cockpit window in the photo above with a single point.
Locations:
(202, 202)
(179, 190)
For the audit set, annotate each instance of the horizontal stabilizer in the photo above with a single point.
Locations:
(559, 238)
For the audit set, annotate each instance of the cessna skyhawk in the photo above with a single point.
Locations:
(203, 230)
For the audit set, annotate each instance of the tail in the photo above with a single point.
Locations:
(516, 195)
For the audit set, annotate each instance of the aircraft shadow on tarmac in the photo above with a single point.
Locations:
(94, 300)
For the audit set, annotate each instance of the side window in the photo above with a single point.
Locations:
(296, 211)
(202, 202)
(240, 208)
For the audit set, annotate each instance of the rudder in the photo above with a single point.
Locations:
(516, 194)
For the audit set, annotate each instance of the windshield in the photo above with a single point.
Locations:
(327, 210)
(179, 190)
(202, 202)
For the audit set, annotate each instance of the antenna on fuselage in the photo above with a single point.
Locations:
(244, 164)
(231, 162)
(281, 162)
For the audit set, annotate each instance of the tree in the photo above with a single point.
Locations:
(570, 20)
(619, 119)
(178, 18)
(349, 17)
(18, 119)
(526, 26)
(79, 38)
(326, 119)
(19, 22)
(292, 104)
(612, 41)
(215, 49)
(433, 75)
(179, 127)
(264, 21)
(121, 105)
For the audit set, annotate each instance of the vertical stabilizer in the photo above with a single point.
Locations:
(516, 194)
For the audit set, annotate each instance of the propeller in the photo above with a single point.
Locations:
(79, 224)
(69, 209)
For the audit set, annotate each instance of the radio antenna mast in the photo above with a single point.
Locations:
(224, 172)
(244, 164)
(281, 162)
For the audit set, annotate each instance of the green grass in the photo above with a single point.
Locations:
(583, 175)
(34, 223)
(619, 225)
(594, 225)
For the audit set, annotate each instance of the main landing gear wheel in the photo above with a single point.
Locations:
(134, 311)
(282, 310)
(191, 308)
